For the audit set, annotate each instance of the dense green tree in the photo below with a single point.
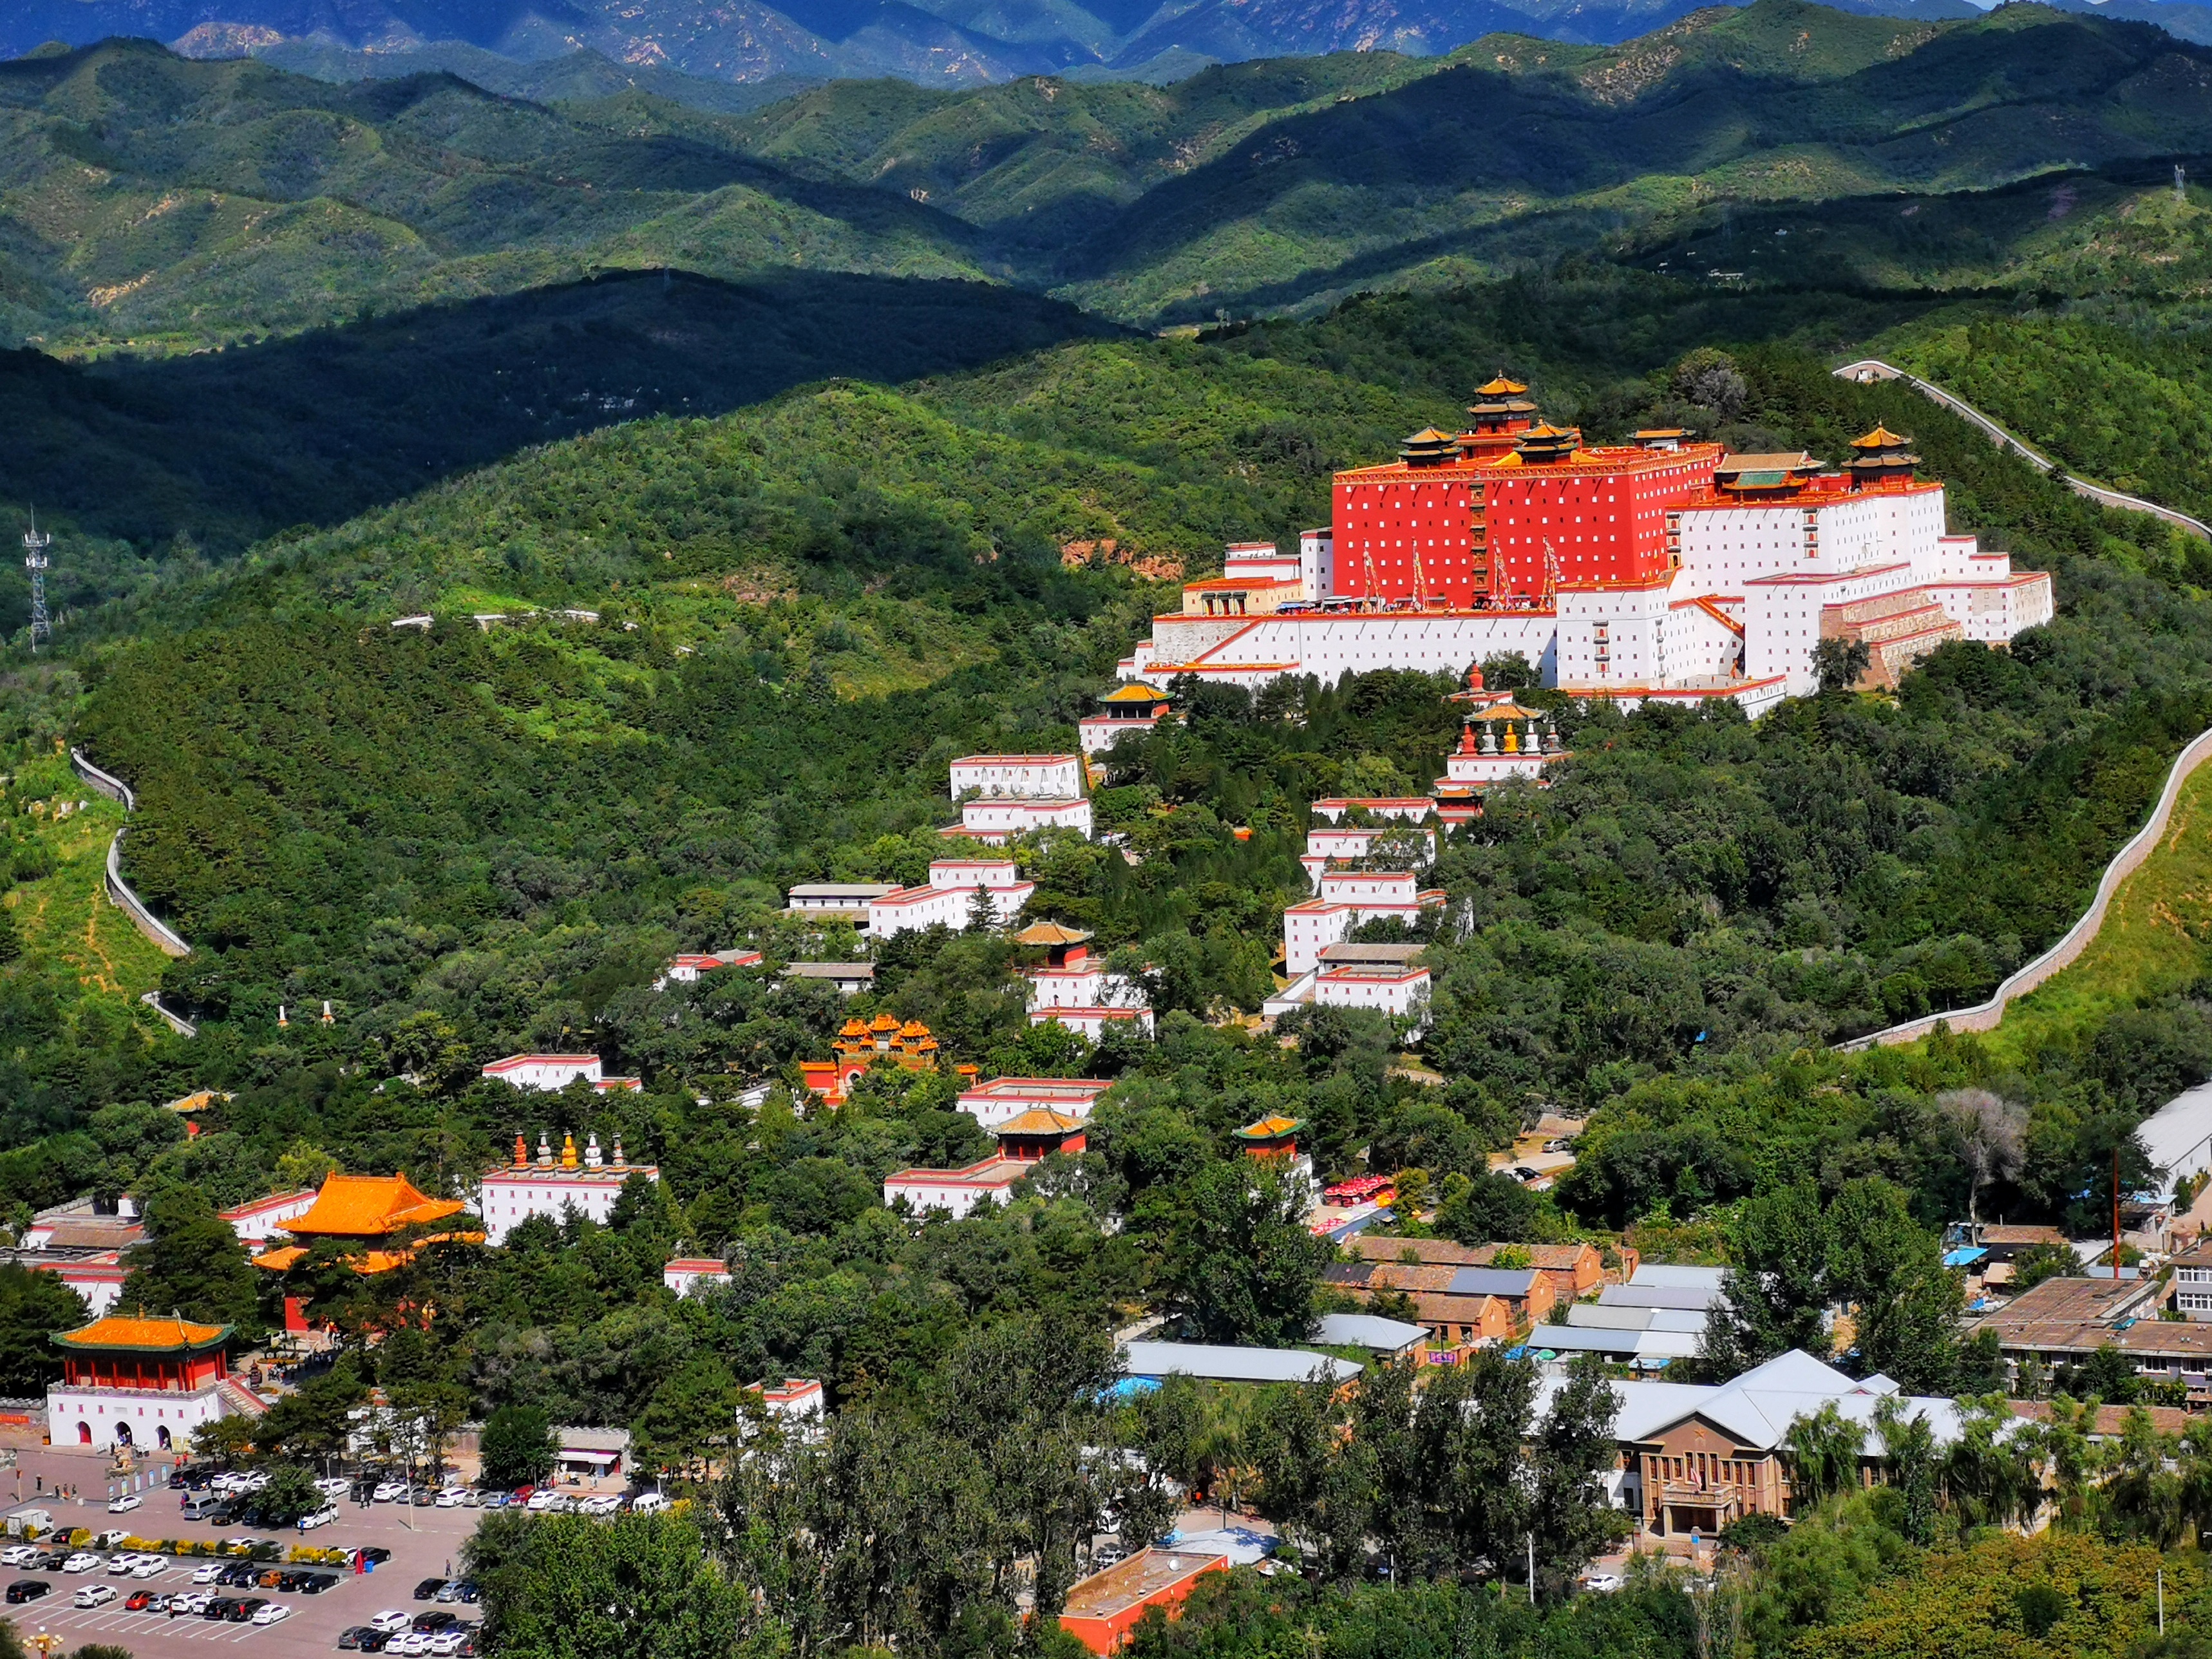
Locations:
(1776, 1292)
(517, 1448)
(1240, 1265)
(191, 1263)
(33, 1307)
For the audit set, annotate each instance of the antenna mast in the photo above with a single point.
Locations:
(34, 561)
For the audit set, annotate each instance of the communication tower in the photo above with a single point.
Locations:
(35, 561)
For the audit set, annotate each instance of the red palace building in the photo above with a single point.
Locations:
(1507, 512)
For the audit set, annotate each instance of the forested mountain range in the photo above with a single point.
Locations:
(162, 203)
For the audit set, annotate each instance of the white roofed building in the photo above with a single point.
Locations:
(555, 1072)
(1004, 1098)
(995, 820)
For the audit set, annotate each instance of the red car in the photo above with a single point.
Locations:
(137, 1601)
(522, 1494)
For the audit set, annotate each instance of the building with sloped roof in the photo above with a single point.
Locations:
(143, 1380)
(1694, 1457)
(375, 1216)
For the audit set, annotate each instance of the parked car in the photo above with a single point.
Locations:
(124, 1502)
(445, 1643)
(373, 1641)
(138, 1601)
(412, 1644)
(422, 1497)
(94, 1596)
(271, 1613)
(192, 1601)
(498, 1500)
(28, 1589)
(392, 1620)
(315, 1583)
(436, 1620)
(545, 1500)
(84, 1561)
(336, 1486)
(648, 1503)
(429, 1588)
(321, 1517)
(388, 1491)
(218, 1607)
(375, 1553)
(1604, 1583)
(349, 1637)
(206, 1575)
(16, 1554)
(450, 1590)
(122, 1562)
(241, 1612)
(149, 1566)
(452, 1497)
(472, 1593)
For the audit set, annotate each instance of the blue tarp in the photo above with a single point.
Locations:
(1965, 1257)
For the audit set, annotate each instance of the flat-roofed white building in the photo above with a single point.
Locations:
(589, 1184)
(1401, 993)
(956, 1191)
(689, 970)
(995, 820)
(949, 897)
(687, 1274)
(263, 1218)
(1004, 1098)
(1043, 776)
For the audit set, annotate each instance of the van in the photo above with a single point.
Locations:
(647, 1503)
(199, 1506)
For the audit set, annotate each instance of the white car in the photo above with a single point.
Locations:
(648, 1503)
(321, 1517)
(205, 1574)
(446, 1643)
(148, 1566)
(119, 1565)
(94, 1596)
(392, 1620)
(452, 1497)
(388, 1491)
(124, 1505)
(1601, 1583)
(15, 1554)
(547, 1500)
(413, 1644)
(229, 1481)
(336, 1486)
(84, 1561)
(190, 1602)
(270, 1614)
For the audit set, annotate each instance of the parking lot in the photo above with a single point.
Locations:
(425, 1543)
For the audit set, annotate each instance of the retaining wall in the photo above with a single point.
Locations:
(166, 937)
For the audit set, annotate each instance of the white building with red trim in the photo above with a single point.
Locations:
(1130, 707)
(687, 1274)
(994, 820)
(956, 1191)
(949, 897)
(1345, 899)
(261, 1219)
(1342, 846)
(689, 970)
(1401, 993)
(1002, 1099)
(1050, 777)
(588, 1184)
(1399, 809)
(555, 1072)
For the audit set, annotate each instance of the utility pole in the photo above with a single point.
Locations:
(1532, 1569)
(34, 561)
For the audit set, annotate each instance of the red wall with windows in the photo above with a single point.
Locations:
(1606, 519)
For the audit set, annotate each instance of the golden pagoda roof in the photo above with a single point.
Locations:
(166, 1334)
(1270, 1129)
(1134, 692)
(1432, 435)
(1039, 1121)
(1544, 429)
(883, 1022)
(1500, 387)
(1506, 711)
(1050, 932)
(854, 1027)
(1880, 438)
(369, 1206)
(914, 1028)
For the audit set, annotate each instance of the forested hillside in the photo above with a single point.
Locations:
(161, 204)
